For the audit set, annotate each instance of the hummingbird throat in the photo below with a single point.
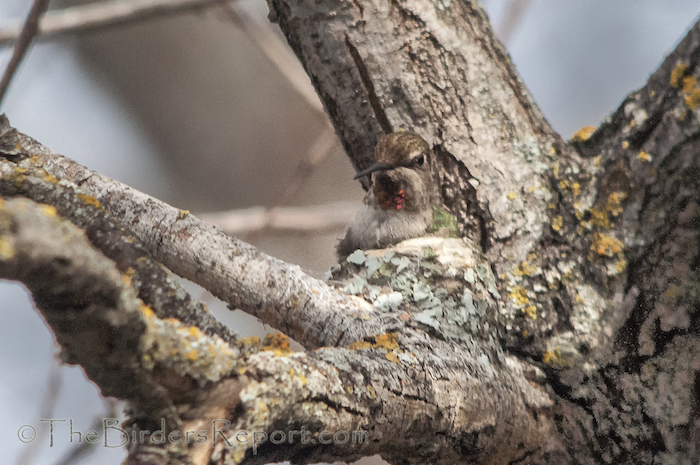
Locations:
(390, 194)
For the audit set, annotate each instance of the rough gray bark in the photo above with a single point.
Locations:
(564, 328)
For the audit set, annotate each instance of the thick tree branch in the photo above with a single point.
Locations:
(280, 294)
(155, 285)
(95, 315)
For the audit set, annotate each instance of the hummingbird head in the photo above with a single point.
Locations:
(400, 178)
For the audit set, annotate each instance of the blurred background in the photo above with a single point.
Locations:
(209, 111)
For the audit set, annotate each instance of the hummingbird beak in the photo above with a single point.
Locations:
(382, 166)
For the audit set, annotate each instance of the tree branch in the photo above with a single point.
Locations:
(24, 40)
(291, 220)
(154, 283)
(280, 294)
(105, 14)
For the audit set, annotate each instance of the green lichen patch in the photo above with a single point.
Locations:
(443, 284)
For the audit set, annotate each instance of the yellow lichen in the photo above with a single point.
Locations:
(526, 269)
(693, 99)
(6, 249)
(557, 223)
(677, 75)
(530, 312)
(192, 356)
(620, 265)
(519, 295)
(556, 359)
(146, 311)
(599, 218)
(250, 341)
(576, 189)
(672, 292)
(625, 144)
(194, 331)
(49, 210)
(511, 195)
(370, 390)
(392, 357)
(644, 156)
(614, 203)
(689, 84)
(583, 134)
(90, 200)
(183, 213)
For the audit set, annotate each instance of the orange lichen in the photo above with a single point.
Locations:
(277, 343)
(389, 341)
(605, 245)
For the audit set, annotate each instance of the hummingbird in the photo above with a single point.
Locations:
(399, 203)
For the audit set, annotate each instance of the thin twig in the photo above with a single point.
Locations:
(83, 448)
(515, 11)
(291, 220)
(48, 405)
(317, 153)
(29, 31)
(104, 14)
(278, 52)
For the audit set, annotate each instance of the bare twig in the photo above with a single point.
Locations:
(317, 153)
(306, 309)
(290, 220)
(278, 52)
(48, 405)
(83, 448)
(512, 19)
(104, 14)
(27, 34)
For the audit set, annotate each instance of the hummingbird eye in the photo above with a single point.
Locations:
(419, 160)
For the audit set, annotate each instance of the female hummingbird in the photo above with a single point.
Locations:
(399, 203)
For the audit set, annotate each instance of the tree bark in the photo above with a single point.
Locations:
(562, 329)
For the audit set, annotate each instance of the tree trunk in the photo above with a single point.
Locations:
(562, 329)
